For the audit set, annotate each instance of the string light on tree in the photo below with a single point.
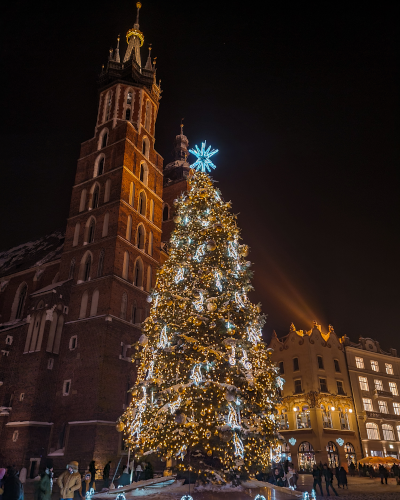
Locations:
(206, 388)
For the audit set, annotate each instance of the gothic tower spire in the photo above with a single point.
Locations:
(135, 40)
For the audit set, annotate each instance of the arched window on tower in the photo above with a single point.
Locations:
(149, 278)
(124, 305)
(125, 266)
(104, 140)
(83, 201)
(107, 191)
(95, 196)
(128, 114)
(142, 203)
(87, 268)
(17, 309)
(71, 269)
(146, 147)
(95, 303)
(138, 273)
(133, 312)
(140, 237)
(165, 213)
(143, 173)
(152, 210)
(77, 229)
(131, 198)
(91, 230)
(108, 104)
(100, 169)
(129, 228)
(150, 248)
(101, 264)
(129, 98)
(84, 303)
(147, 119)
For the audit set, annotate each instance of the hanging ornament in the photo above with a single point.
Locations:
(209, 453)
(203, 412)
(211, 306)
(243, 250)
(120, 426)
(208, 434)
(169, 302)
(218, 227)
(211, 245)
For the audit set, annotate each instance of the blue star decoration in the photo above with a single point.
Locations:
(203, 156)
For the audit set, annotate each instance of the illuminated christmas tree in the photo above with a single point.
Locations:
(206, 384)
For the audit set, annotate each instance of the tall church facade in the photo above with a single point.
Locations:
(71, 309)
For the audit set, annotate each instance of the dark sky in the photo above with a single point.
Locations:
(299, 97)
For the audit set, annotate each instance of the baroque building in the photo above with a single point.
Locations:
(375, 380)
(72, 306)
(316, 417)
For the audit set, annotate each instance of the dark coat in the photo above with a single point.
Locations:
(12, 487)
(342, 476)
(44, 489)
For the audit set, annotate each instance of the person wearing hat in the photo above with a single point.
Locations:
(69, 481)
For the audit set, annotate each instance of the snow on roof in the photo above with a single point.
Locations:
(32, 254)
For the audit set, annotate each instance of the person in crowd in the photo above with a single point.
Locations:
(12, 486)
(138, 472)
(43, 486)
(92, 470)
(87, 479)
(337, 476)
(291, 476)
(317, 476)
(371, 472)
(106, 474)
(2, 473)
(327, 473)
(352, 469)
(343, 477)
(383, 474)
(69, 481)
(22, 475)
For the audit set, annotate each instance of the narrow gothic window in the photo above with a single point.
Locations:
(129, 98)
(148, 116)
(140, 237)
(104, 140)
(165, 214)
(95, 201)
(21, 301)
(100, 266)
(142, 172)
(101, 167)
(71, 269)
(138, 274)
(142, 203)
(128, 114)
(91, 231)
(131, 193)
(88, 265)
(129, 228)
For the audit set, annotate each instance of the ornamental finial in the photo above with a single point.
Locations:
(138, 6)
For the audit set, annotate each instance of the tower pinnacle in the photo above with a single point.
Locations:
(135, 39)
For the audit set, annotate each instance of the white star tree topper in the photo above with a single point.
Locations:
(203, 155)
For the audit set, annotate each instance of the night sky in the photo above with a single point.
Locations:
(299, 97)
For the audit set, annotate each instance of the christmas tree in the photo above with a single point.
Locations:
(205, 384)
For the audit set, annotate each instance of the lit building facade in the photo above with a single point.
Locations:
(316, 417)
(375, 380)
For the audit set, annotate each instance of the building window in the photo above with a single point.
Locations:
(95, 196)
(396, 408)
(143, 173)
(363, 383)
(100, 265)
(124, 305)
(165, 213)
(66, 387)
(295, 364)
(21, 396)
(389, 368)
(367, 403)
(140, 237)
(383, 407)
(378, 385)
(333, 455)
(281, 368)
(152, 210)
(337, 366)
(320, 362)
(71, 269)
(388, 432)
(326, 418)
(107, 191)
(283, 422)
(133, 312)
(131, 199)
(101, 167)
(142, 203)
(83, 200)
(19, 302)
(350, 453)
(128, 114)
(375, 366)
(297, 387)
(306, 456)
(138, 273)
(147, 116)
(360, 363)
(87, 266)
(303, 418)
(344, 419)
(92, 227)
(9, 339)
(372, 430)
(73, 342)
(393, 388)
(84, 303)
(340, 389)
(129, 228)
(146, 147)
(129, 98)
(15, 436)
(150, 247)
(95, 302)
(322, 385)
(50, 363)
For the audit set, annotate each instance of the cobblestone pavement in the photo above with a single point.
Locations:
(359, 488)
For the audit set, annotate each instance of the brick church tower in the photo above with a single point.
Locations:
(71, 337)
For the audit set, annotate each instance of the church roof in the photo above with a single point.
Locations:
(32, 254)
